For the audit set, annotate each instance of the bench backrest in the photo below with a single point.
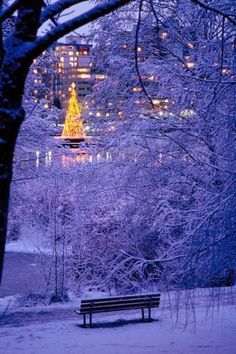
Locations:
(120, 303)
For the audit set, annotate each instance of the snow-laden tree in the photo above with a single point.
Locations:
(39, 80)
(17, 52)
(172, 74)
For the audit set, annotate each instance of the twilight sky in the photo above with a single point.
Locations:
(80, 8)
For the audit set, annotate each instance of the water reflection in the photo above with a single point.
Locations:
(46, 159)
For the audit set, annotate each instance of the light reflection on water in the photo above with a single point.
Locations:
(46, 159)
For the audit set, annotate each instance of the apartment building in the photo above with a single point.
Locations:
(73, 65)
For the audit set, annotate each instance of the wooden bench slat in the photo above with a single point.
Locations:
(117, 302)
(143, 304)
(120, 305)
(117, 309)
(120, 298)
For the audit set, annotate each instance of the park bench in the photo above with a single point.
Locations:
(118, 303)
(227, 279)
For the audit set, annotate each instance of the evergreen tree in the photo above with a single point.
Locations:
(73, 123)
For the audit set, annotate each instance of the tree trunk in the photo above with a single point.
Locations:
(10, 121)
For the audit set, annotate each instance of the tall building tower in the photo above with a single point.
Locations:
(73, 65)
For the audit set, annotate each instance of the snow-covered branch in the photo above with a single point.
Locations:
(55, 9)
(59, 31)
(215, 10)
(9, 11)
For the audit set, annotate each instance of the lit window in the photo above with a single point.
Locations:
(100, 76)
(136, 89)
(190, 65)
(155, 101)
(84, 76)
(83, 70)
(225, 71)
(187, 112)
(163, 35)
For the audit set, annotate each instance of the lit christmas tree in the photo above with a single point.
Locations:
(73, 127)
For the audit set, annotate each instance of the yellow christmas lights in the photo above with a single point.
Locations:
(73, 127)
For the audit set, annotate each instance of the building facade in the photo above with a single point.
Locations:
(73, 64)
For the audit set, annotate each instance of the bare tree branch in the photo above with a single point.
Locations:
(9, 11)
(136, 54)
(44, 42)
(217, 11)
(50, 11)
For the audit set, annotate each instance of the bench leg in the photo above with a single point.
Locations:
(142, 314)
(90, 320)
(84, 316)
(149, 313)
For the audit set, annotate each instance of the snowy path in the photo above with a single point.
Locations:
(56, 329)
(21, 318)
(203, 331)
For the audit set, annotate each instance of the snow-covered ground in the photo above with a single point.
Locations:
(199, 322)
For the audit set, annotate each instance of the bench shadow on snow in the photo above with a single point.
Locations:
(116, 323)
